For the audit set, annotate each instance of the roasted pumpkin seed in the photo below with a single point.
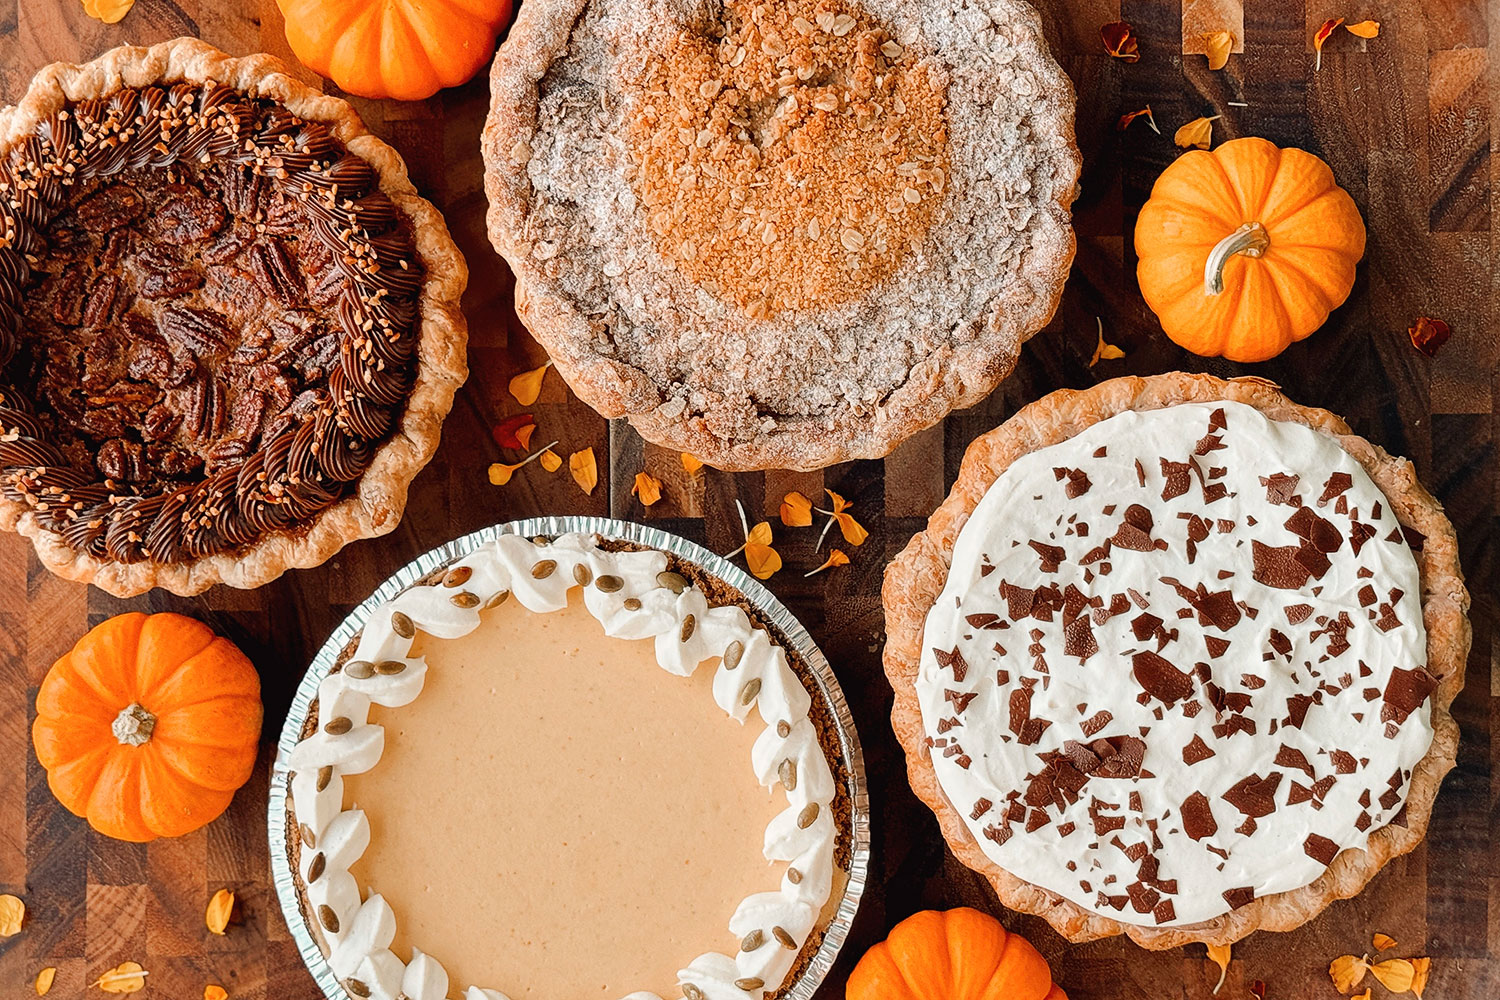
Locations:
(609, 583)
(464, 599)
(325, 775)
(315, 869)
(583, 575)
(308, 837)
(675, 582)
(783, 728)
(808, 816)
(544, 569)
(688, 625)
(457, 576)
(497, 600)
(356, 987)
(328, 918)
(632, 604)
(732, 655)
(338, 726)
(783, 938)
(751, 691)
(787, 772)
(390, 668)
(750, 983)
(359, 669)
(753, 940)
(402, 626)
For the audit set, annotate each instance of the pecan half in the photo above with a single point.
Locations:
(170, 284)
(277, 274)
(189, 218)
(110, 208)
(200, 331)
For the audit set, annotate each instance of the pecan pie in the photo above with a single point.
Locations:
(781, 234)
(229, 328)
(1175, 659)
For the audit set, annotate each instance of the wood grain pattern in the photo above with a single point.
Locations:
(1404, 119)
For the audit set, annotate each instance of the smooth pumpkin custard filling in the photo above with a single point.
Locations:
(538, 773)
(790, 156)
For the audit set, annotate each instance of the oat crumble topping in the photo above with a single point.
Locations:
(792, 158)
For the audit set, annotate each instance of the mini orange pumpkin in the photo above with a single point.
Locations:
(406, 49)
(148, 726)
(1246, 249)
(955, 955)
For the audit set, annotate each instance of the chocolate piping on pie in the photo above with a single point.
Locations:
(300, 469)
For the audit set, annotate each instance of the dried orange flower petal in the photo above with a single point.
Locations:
(507, 433)
(835, 558)
(647, 488)
(108, 11)
(1421, 969)
(127, 977)
(1347, 972)
(1428, 334)
(1219, 955)
(1120, 41)
(1364, 29)
(1103, 351)
(500, 472)
(1362, 996)
(1219, 44)
(12, 912)
(691, 463)
(1328, 28)
(219, 909)
(44, 980)
(215, 993)
(1145, 113)
(1383, 942)
(796, 510)
(1198, 133)
(854, 532)
(585, 469)
(527, 386)
(760, 534)
(1395, 974)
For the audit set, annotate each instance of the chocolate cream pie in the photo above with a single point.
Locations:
(781, 234)
(229, 328)
(1175, 658)
(532, 774)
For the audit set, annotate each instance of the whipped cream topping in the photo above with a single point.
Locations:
(634, 596)
(1178, 664)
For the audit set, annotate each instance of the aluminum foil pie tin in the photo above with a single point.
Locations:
(762, 600)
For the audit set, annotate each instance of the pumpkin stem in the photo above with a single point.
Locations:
(1250, 240)
(133, 726)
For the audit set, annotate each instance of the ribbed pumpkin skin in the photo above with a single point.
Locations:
(954, 955)
(404, 49)
(205, 697)
(1316, 239)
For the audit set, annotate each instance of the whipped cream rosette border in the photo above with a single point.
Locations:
(345, 939)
